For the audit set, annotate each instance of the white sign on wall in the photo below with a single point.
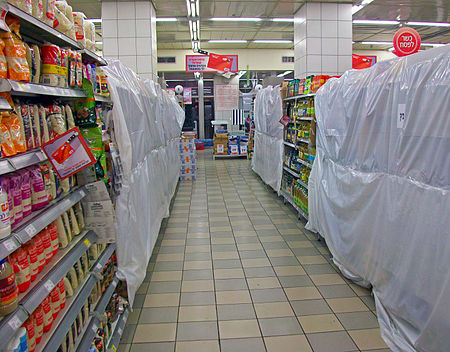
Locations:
(226, 97)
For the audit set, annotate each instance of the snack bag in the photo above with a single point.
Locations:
(7, 145)
(51, 65)
(3, 64)
(49, 12)
(16, 132)
(93, 138)
(85, 108)
(38, 9)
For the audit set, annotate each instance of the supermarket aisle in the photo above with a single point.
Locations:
(235, 272)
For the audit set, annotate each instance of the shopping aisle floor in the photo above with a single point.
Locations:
(235, 271)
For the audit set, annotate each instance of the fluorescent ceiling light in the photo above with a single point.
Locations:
(269, 41)
(391, 49)
(228, 41)
(95, 20)
(356, 8)
(282, 19)
(284, 74)
(366, 2)
(166, 19)
(433, 44)
(375, 43)
(429, 24)
(376, 22)
(236, 19)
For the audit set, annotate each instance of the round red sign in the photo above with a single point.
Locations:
(406, 41)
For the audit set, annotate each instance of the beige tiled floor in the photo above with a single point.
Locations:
(234, 270)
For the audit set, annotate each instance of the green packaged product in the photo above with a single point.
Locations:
(93, 138)
(85, 108)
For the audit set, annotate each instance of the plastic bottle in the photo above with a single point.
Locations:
(8, 288)
(5, 224)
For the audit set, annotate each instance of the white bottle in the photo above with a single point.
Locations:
(5, 224)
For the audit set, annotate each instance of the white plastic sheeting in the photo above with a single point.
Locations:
(379, 191)
(147, 125)
(267, 159)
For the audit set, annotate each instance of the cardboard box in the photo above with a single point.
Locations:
(221, 149)
(243, 150)
(234, 149)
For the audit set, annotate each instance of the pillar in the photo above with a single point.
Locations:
(129, 34)
(322, 39)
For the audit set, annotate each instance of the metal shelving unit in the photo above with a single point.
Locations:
(289, 199)
(289, 144)
(292, 172)
(300, 96)
(305, 163)
(92, 57)
(37, 221)
(21, 161)
(117, 334)
(103, 259)
(4, 105)
(303, 140)
(33, 89)
(103, 99)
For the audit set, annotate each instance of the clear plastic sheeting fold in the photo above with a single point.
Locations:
(147, 126)
(267, 159)
(379, 191)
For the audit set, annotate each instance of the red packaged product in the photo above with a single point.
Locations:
(51, 65)
(30, 248)
(62, 293)
(31, 334)
(55, 302)
(40, 252)
(48, 316)
(21, 266)
(38, 317)
(53, 230)
(47, 243)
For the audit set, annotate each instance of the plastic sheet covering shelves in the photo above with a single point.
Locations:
(148, 125)
(379, 191)
(267, 160)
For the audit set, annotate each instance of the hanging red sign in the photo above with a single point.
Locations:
(406, 41)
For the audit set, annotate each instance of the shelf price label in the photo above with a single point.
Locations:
(14, 323)
(30, 230)
(10, 245)
(49, 286)
(87, 242)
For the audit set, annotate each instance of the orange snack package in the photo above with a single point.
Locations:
(15, 52)
(15, 130)
(3, 64)
(7, 146)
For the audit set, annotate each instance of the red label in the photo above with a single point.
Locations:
(406, 41)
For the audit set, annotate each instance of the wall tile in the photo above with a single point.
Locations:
(155, 64)
(330, 63)
(143, 28)
(303, 65)
(344, 46)
(129, 60)
(109, 10)
(345, 29)
(314, 64)
(110, 47)
(126, 10)
(143, 46)
(143, 9)
(127, 46)
(299, 31)
(126, 28)
(313, 46)
(329, 11)
(109, 28)
(344, 63)
(313, 28)
(329, 29)
(313, 11)
(297, 69)
(144, 64)
(345, 12)
(329, 46)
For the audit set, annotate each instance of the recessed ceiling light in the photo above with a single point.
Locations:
(269, 41)
(284, 74)
(376, 22)
(282, 19)
(433, 44)
(374, 43)
(237, 19)
(224, 41)
(429, 24)
(166, 19)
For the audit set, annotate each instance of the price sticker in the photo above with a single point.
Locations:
(119, 331)
(401, 115)
(49, 286)
(94, 328)
(114, 283)
(82, 192)
(30, 230)
(98, 267)
(14, 323)
(87, 242)
(10, 245)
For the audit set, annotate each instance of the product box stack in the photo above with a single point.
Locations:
(233, 145)
(243, 145)
(221, 143)
(188, 161)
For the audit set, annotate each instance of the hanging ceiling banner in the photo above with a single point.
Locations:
(211, 63)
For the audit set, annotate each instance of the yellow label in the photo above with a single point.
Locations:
(86, 242)
(50, 69)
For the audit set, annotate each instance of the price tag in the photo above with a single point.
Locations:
(82, 192)
(49, 286)
(94, 328)
(10, 245)
(119, 331)
(87, 242)
(14, 323)
(30, 230)
(98, 267)
(114, 283)
(401, 115)
(114, 348)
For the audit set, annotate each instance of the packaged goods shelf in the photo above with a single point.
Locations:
(300, 96)
(92, 57)
(303, 140)
(86, 337)
(103, 259)
(21, 161)
(289, 144)
(33, 89)
(296, 207)
(118, 331)
(230, 156)
(304, 118)
(44, 284)
(304, 163)
(38, 31)
(296, 175)
(37, 221)
(103, 99)
(4, 105)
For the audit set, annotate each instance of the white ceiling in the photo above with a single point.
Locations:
(175, 35)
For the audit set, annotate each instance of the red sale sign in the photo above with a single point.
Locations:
(406, 41)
